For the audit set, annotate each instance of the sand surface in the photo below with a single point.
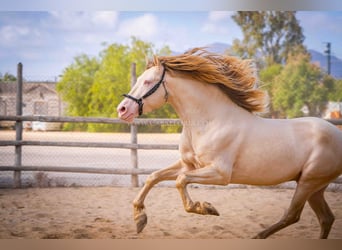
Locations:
(106, 212)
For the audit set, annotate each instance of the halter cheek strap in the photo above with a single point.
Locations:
(150, 92)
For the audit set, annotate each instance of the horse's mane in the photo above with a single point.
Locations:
(234, 77)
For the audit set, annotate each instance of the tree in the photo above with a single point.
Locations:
(268, 78)
(76, 83)
(75, 86)
(7, 77)
(335, 94)
(300, 84)
(268, 35)
(94, 86)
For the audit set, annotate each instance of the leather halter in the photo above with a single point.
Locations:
(150, 92)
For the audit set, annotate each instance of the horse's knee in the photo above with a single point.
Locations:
(151, 179)
(181, 181)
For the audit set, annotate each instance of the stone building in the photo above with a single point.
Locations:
(39, 99)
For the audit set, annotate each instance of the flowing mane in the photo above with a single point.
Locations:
(233, 76)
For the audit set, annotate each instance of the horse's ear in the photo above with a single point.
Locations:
(152, 62)
(147, 61)
(155, 60)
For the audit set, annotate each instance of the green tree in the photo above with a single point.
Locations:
(94, 86)
(300, 84)
(335, 94)
(268, 79)
(269, 36)
(110, 81)
(7, 77)
(75, 84)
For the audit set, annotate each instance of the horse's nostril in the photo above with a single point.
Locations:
(122, 110)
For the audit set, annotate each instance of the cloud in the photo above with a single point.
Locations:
(143, 27)
(10, 33)
(106, 18)
(217, 22)
(214, 28)
(74, 32)
(14, 35)
(221, 23)
(82, 21)
(218, 16)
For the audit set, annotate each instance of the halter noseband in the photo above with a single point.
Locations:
(150, 92)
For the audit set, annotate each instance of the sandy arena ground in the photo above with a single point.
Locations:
(106, 212)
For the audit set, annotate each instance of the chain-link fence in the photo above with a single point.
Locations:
(111, 158)
(40, 99)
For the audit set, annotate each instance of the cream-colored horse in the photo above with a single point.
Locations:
(224, 142)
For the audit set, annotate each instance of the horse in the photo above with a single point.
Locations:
(225, 140)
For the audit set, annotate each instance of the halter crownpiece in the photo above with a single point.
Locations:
(150, 92)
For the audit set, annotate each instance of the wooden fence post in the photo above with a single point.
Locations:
(18, 125)
(134, 134)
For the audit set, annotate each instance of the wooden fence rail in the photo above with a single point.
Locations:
(137, 121)
(134, 171)
(88, 170)
(91, 145)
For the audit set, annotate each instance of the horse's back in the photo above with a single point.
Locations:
(280, 150)
(324, 134)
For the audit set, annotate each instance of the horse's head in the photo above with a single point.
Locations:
(149, 93)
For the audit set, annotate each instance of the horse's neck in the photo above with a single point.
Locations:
(197, 103)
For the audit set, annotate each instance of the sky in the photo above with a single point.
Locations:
(47, 41)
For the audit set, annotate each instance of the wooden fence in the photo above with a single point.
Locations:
(133, 146)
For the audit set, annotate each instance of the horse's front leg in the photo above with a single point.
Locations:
(207, 175)
(169, 173)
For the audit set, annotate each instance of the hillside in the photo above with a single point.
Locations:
(321, 59)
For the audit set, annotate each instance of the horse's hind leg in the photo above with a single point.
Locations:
(303, 192)
(292, 215)
(325, 216)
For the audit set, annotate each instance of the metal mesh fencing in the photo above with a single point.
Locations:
(83, 157)
(41, 99)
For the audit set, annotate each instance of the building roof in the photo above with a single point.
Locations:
(10, 88)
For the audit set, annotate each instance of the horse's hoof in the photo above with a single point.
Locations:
(141, 221)
(209, 209)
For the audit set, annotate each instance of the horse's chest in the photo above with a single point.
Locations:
(197, 150)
